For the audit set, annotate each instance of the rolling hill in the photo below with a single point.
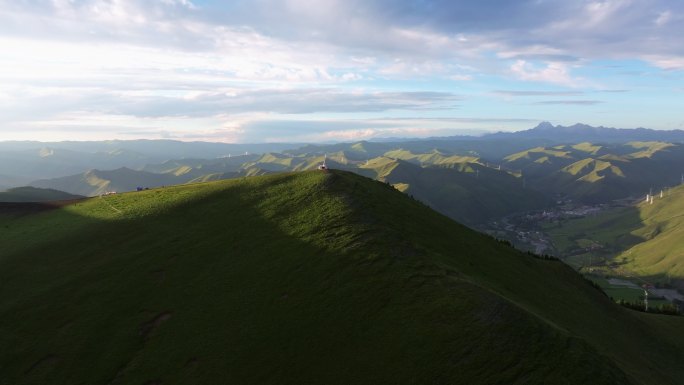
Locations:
(461, 187)
(49, 162)
(646, 240)
(200, 166)
(466, 191)
(96, 182)
(32, 194)
(441, 177)
(595, 173)
(312, 277)
(24, 161)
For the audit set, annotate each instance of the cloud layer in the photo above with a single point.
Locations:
(222, 69)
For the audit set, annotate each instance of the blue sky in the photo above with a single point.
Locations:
(332, 70)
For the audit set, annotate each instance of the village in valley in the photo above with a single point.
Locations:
(531, 231)
(527, 230)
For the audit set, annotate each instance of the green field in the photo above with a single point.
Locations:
(621, 292)
(612, 229)
(303, 278)
(646, 240)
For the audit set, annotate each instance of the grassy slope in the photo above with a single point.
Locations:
(650, 237)
(595, 173)
(301, 278)
(224, 164)
(468, 192)
(434, 157)
(539, 160)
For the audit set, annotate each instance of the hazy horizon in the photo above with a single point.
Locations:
(454, 134)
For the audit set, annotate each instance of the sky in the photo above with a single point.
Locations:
(334, 70)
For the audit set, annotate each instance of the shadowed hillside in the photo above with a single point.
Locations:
(311, 277)
(466, 190)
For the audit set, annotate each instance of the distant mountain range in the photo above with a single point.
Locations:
(586, 133)
(24, 161)
(32, 194)
(549, 133)
(471, 182)
(96, 182)
(593, 164)
(462, 187)
(158, 148)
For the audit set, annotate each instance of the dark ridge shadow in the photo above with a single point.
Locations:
(471, 198)
(28, 208)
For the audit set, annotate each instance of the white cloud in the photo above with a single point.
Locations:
(667, 62)
(598, 13)
(552, 72)
(168, 65)
(461, 77)
(663, 18)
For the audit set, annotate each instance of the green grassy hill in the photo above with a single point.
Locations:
(586, 172)
(301, 278)
(646, 240)
(359, 151)
(468, 192)
(592, 180)
(540, 160)
(449, 183)
(200, 167)
(33, 194)
(433, 157)
(599, 173)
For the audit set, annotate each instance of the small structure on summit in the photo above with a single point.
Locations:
(323, 166)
